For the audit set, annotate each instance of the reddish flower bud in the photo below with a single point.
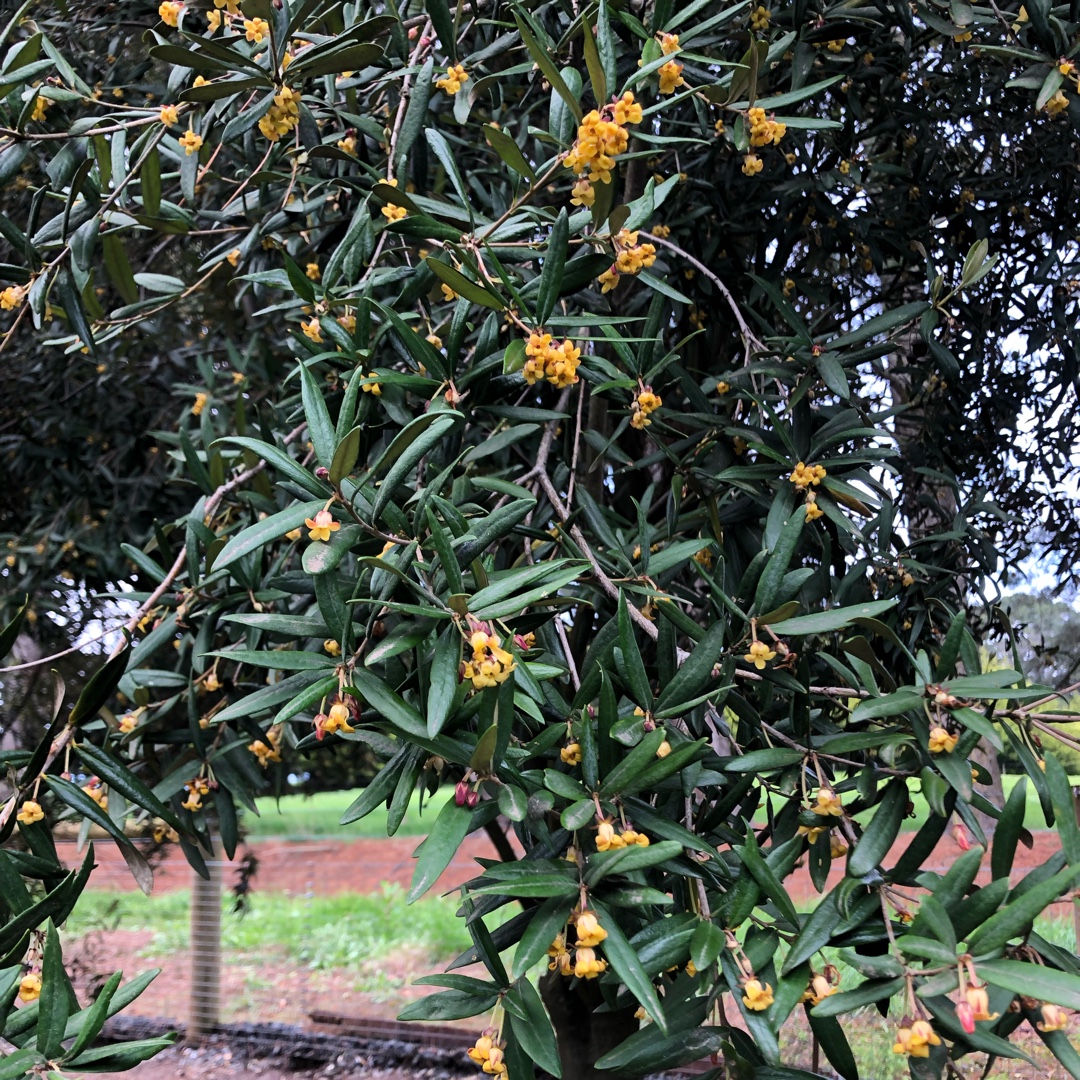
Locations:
(472, 799)
(461, 792)
(960, 835)
(966, 1015)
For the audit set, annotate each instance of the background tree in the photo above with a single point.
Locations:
(637, 346)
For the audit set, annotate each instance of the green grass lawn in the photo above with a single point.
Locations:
(320, 932)
(302, 817)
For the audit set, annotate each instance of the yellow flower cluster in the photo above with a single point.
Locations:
(196, 789)
(630, 258)
(283, 115)
(96, 792)
(601, 137)
(199, 403)
(804, 476)
(757, 996)
(941, 742)
(546, 360)
(369, 387)
(915, 1041)
(586, 965)
(813, 511)
(645, 403)
(491, 664)
(268, 750)
(759, 18)
(312, 330)
(452, 80)
(31, 811)
(191, 142)
(764, 131)
(607, 839)
(488, 1054)
(759, 654)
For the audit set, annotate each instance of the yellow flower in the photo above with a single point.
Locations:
(608, 280)
(669, 43)
(979, 1001)
(752, 165)
(30, 987)
(663, 749)
(452, 80)
(332, 647)
(321, 526)
(169, 115)
(128, 723)
(763, 131)
(759, 18)
(813, 511)
(589, 931)
(12, 297)
(941, 742)
(347, 322)
(211, 683)
(631, 837)
(1053, 1018)
(393, 212)
(191, 142)
(837, 847)
(293, 534)
(756, 996)
(233, 258)
(645, 403)
(586, 966)
(844, 167)
(312, 271)
(256, 29)
(582, 193)
(312, 330)
(812, 832)
(338, 720)
(448, 293)
(40, 106)
(560, 957)
(759, 654)
(703, 558)
(626, 110)
(213, 21)
(804, 476)
(827, 803)
(348, 144)
(199, 403)
(1057, 104)
(30, 812)
(170, 12)
(916, 1040)
(571, 753)
(373, 388)
(820, 989)
(671, 77)
(836, 45)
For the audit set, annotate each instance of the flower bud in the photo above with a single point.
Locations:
(966, 1015)
(472, 799)
(461, 792)
(322, 472)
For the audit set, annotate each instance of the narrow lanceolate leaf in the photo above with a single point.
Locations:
(1016, 916)
(320, 427)
(443, 679)
(625, 963)
(881, 831)
(1033, 980)
(551, 274)
(266, 532)
(54, 1002)
(439, 848)
(509, 151)
(463, 286)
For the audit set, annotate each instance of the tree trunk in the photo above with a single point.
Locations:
(584, 1035)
